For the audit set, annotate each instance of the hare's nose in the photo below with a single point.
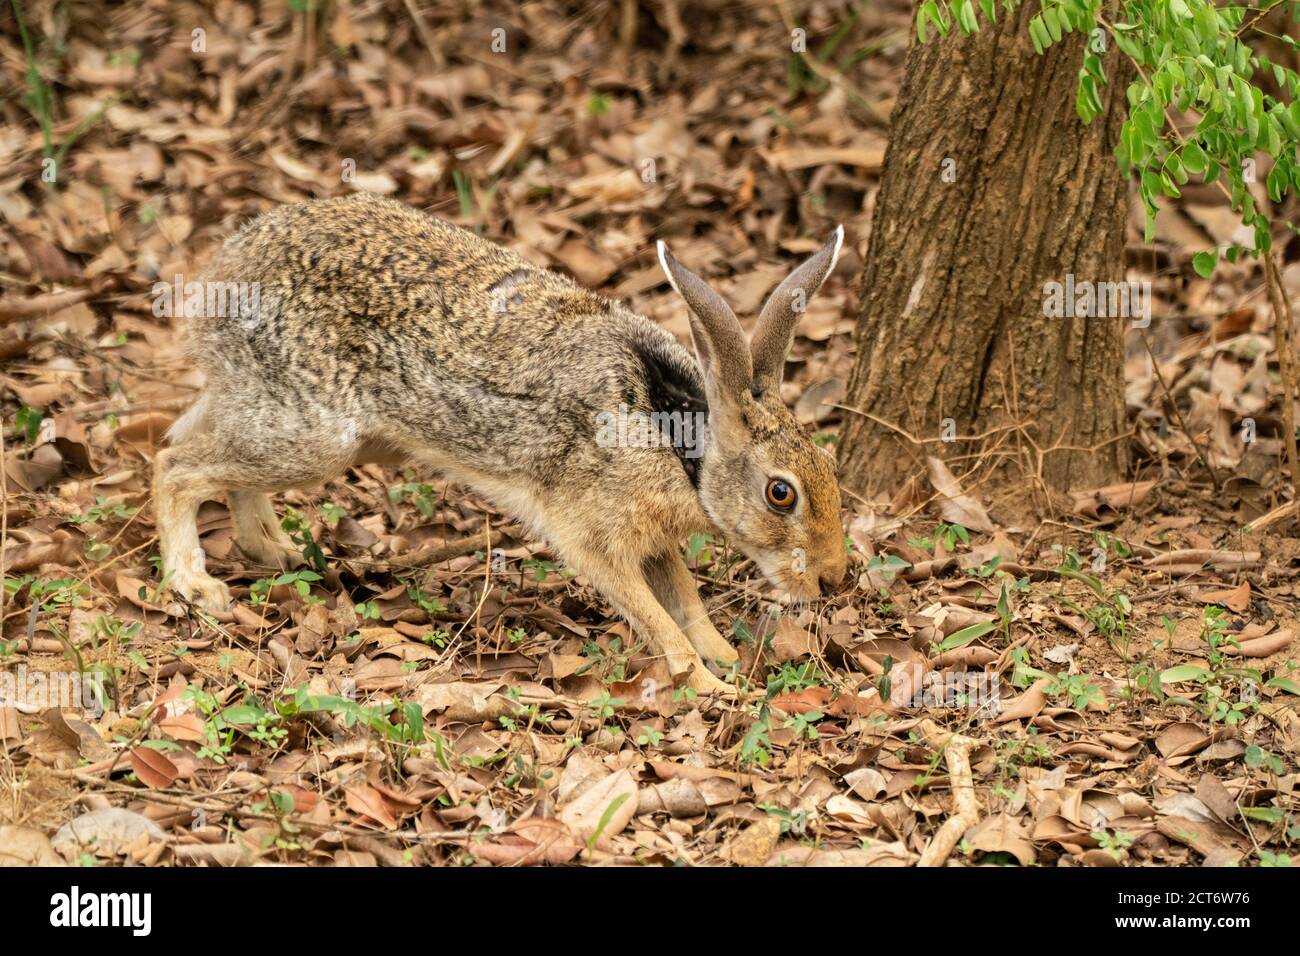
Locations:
(831, 579)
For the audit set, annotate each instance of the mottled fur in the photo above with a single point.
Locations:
(386, 334)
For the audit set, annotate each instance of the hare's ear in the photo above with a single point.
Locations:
(717, 336)
(775, 328)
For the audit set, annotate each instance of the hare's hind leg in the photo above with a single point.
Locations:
(245, 463)
(185, 476)
(259, 533)
(671, 581)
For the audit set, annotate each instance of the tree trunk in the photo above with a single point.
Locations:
(993, 187)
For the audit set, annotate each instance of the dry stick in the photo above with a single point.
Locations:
(1205, 460)
(426, 37)
(13, 310)
(437, 553)
(957, 753)
(1285, 362)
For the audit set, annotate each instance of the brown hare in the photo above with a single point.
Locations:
(381, 333)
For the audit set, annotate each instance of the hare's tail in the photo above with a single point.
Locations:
(189, 423)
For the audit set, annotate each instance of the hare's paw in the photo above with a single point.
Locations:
(702, 682)
(711, 645)
(202, 590)
(273, 553)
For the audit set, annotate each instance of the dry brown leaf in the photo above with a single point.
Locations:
(369, 802)
(955, 505)
(153, 768)
(603, 809)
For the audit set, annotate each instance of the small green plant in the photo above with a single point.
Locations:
(1228, 694)
(805, 724)
(950, 534)
(429, 604)
(606, 706)
(1110, 616)
(698, 548)
(420, 494)
(755, 748)
(611, 664)
(1257, 756)
(104, 510)
(332, 513)
(281, 805)
(543, 569)
(1078, 687)
(464, 194)
(437, 638)
(792, 821)
(301, 581)
(1016, 755)
(300, 534)
(986, 569)
(1113, 843)
(41, 103)
(889, 565)
(792, 677)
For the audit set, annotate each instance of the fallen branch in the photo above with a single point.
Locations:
(1274, 516)
(1282, 322)
(437, 553)
(12, 310)
(957, 753)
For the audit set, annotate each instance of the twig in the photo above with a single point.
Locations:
(1274, 516)
(1285, 362)
(11, 310)
(1182, 423)
(437, 553)
(426, 38)
(957, 753)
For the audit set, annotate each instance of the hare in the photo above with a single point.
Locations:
(380, 333)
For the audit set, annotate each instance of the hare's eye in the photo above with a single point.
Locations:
(781, 495)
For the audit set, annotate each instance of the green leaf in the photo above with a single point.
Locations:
(1183, 672)
(1284, 683)
(1263, 814)
(966, 17)
(966, 635)
(1204, 263)
(246, 714)
(604, 820)
(1051, 19)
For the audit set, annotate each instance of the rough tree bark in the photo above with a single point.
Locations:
(952, 324)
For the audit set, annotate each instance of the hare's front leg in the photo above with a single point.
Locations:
(670, 578)
(625, 587)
